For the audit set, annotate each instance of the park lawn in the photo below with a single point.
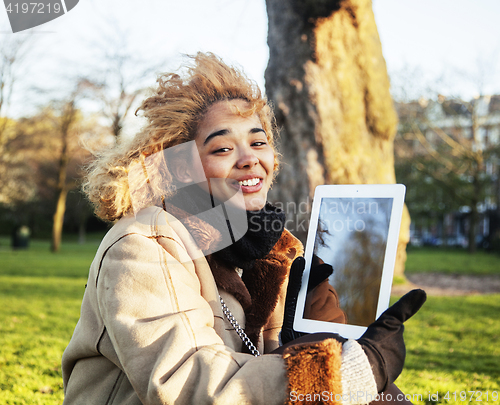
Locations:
(453, 342)
(37, 318)
(451, 261)
(72, 261)
(40, 299)
(453, 345)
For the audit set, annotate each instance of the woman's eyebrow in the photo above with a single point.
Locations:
(222, 132)
(256, 130)
(214, 134)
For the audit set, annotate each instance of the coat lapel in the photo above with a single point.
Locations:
(264, 282)
(259, 288)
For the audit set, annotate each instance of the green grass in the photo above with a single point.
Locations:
(453, 345)
(73, 260)
(40, 298)
(453, 342)
(37, 318)
(452, 261)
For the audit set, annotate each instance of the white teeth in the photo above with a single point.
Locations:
(249, 182)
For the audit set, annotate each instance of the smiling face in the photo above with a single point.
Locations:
(236, 149)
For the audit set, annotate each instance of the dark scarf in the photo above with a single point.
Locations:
(264, 230)
(265, 268)
(264, 226)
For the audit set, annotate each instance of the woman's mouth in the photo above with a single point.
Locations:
(249, 182)
(250, 185)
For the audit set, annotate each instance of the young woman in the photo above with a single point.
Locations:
(173, 312)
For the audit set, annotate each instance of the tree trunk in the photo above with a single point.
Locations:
(62, 193)
(58, 220)
(62, 188)
(328, 81)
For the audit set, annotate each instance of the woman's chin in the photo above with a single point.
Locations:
(242, 200)
(254, 203)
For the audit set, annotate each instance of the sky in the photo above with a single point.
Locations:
(455, 43)
(423, 41)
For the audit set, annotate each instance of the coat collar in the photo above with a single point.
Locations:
(258, 289)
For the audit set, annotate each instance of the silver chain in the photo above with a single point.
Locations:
(241, 333)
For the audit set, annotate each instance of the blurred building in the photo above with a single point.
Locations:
(443, 145)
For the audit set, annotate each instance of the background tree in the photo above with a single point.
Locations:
(50, 148)
(65, 126)
(328, 80)
(77, 136)
(120, 78)
(443, 150)
(13, 50)
(35, 148)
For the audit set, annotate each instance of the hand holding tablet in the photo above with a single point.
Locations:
(341, 289)
(355, 230)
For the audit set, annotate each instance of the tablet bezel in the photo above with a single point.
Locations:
(394, 191)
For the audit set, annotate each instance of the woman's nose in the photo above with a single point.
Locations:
(247, 159)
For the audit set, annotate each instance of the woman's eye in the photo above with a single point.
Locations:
(259, 143)
(221, 150)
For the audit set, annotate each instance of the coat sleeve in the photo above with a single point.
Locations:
(162, 331)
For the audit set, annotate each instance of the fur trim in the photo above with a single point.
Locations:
(289, 246)
(264, 282)
(259, 288)
(205, 235)
(228, 280)
(313, 371)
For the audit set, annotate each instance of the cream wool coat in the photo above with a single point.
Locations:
(152, 330)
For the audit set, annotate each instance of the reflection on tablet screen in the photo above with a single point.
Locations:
(352, 237)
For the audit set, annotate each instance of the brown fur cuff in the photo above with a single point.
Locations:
(313, 371)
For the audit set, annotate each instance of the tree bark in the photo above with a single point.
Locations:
(68, 116)
(328, 81)
(58, 220)
(62, 193)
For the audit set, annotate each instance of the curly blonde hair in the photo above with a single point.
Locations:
(173, 112)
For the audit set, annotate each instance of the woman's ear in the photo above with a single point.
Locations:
(181, 172)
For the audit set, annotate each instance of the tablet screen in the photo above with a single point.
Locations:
(352, 237)
(350, 256)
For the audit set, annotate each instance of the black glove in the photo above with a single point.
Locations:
(292, 292)
(383, 340)
(319, 272)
